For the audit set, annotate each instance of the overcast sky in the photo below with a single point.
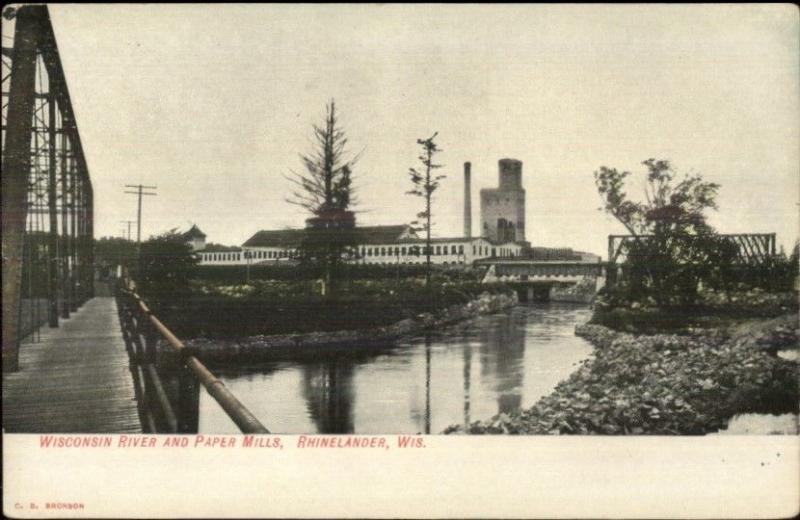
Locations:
(213, 104)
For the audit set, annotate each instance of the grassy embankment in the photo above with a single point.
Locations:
(220, 305)
(682, 371)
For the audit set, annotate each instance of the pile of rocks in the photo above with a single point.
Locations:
(582, 292)
(759, 301)
(665, 383)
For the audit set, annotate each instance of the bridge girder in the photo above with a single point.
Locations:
(47, 193)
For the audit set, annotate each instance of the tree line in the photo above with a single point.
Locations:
(324, 187)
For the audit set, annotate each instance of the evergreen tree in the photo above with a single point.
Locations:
(325, 189)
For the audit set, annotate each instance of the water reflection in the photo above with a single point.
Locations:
(471, 371)
(467, 375)
(183, 392)
(427, 384)
(328, 391)
(502, 355)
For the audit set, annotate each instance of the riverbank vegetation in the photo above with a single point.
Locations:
(243, 274)
(267, 307)
(713, 309)
(255, 348)
(239, 301)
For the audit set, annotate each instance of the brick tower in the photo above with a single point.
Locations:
(503, 208)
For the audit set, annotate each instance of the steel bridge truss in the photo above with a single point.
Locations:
(752, 248)
(47, 193)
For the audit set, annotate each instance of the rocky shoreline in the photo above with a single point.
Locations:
(688, 384)
(254, 348)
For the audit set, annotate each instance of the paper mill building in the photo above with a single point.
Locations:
(375, 245)
(502, 222)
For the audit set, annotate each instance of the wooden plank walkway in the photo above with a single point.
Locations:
(75, 380)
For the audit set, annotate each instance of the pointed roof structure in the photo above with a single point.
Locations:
(194, 232)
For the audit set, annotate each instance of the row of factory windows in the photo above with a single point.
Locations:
(219, 257)
(263, 255)
(435, 250)
(414, 250)
(259, 255)
(365, 252)
(420, 261)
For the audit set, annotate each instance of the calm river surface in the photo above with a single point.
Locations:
(463, 373)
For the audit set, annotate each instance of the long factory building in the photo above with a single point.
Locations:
(502, 225)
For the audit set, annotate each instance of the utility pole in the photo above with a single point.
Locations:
(129, 222)
(140, 192)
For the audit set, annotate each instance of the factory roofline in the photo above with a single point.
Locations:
(435, 240)
(364, 235)
(219, 248)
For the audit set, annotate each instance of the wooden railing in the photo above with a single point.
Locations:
(141, 330)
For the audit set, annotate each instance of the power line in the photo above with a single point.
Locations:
(129, 222)
(140, 192)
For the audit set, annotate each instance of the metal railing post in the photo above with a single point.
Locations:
(188, 401)
(147, 325)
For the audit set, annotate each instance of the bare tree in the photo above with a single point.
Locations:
(425, 183)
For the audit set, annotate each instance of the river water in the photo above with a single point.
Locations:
(470, 371)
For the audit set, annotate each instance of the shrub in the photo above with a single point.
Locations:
(280, 307)
(165, 268)
(237, 274)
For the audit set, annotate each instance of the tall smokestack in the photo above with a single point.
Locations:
(467, 201)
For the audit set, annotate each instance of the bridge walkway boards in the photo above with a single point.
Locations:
(76, 379)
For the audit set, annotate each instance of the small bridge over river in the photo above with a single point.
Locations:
(539, 279)
(536, 279)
